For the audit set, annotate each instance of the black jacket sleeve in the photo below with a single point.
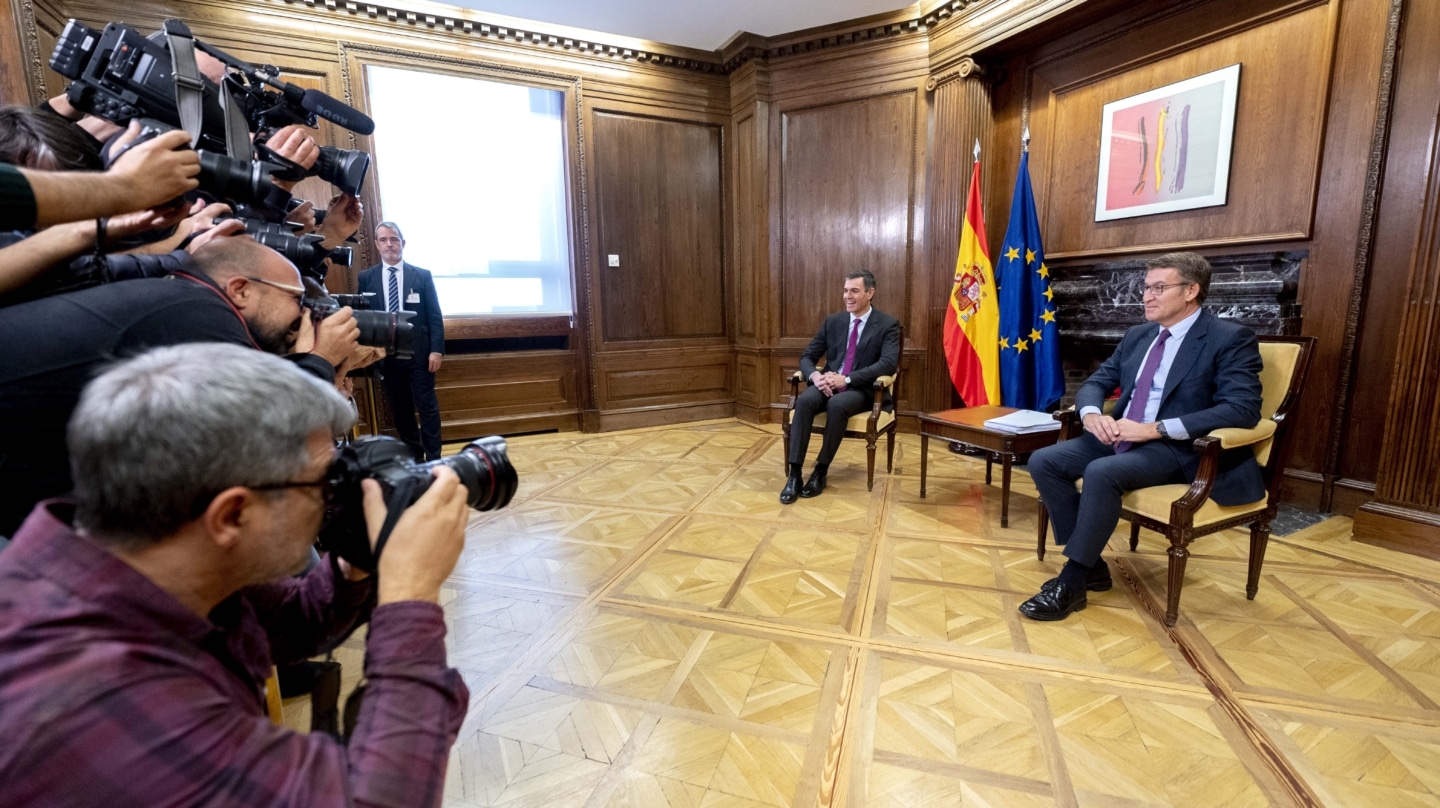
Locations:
(17, 201)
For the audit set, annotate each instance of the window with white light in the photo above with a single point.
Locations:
(473, 172)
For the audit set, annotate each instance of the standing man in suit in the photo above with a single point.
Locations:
(409, 383)
(1181, 375)
(859, 345)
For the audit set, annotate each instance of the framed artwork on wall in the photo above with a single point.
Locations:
(1168, 149)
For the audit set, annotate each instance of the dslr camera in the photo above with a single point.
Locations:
(483, 468)
(390, 330)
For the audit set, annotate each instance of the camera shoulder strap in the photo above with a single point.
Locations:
(401, 498)
(189, 87)
(190, 95)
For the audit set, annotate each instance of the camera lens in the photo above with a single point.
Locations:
(389, 330)
(484, 469)
(343, 168)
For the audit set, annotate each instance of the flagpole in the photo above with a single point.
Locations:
(977, 148)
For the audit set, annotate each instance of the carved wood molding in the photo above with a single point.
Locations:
(1364, 252)
(35, 60)
(528, 36)
(966, 68)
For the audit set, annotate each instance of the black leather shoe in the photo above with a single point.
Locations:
(815, 485)
(791, 491)
(1098, 580)
(1055, 603)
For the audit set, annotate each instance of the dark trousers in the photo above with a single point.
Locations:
(837, 408)
(1084, 520)
(409, 385)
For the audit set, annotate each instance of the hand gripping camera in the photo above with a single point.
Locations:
(483, 468)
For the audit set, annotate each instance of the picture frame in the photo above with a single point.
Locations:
(1168, 149)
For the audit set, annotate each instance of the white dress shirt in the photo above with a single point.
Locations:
(1174, 428)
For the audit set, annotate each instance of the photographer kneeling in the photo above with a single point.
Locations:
(138, 624)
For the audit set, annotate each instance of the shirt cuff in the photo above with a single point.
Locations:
(404, 636)
(1175, 429)
(1084, 411)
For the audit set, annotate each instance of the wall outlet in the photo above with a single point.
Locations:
(614, 260)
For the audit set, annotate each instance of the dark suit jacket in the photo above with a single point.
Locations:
(1213, 383)
(876, 354)
(429, 334)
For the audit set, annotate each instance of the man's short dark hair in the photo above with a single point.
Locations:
(865, 274)
(392, 226)
(1192, 268)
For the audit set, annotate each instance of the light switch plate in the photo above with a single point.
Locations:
(614, 260)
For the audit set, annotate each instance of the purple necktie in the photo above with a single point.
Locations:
(850, 348)
(1141, 395)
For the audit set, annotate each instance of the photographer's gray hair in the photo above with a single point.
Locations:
(156, 437)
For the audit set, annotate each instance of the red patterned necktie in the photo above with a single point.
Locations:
(1141, 395)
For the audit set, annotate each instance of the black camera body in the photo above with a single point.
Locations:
(483, 468)
(307, 253)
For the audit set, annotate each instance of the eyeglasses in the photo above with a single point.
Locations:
(326, 489)
(297, 292)
(1158, 289)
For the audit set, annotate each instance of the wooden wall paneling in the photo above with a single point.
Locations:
(17, 25)
(1405, 514)
(656, 386)
(1393, 189)
(512, 392)
(848, 177)
(1284, 79)
(659, 201)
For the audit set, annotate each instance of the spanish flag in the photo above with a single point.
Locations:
(972, 320)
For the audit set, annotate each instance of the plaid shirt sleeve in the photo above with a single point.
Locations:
(160, 734)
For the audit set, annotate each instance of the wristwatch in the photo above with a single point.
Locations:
(1160, 427)
(847, 381)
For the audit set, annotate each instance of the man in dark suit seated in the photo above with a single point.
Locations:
(1181, 375)
(409, 383)
(859, 345)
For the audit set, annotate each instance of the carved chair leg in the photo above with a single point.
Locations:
(1259, 540)
(890, 451)
(1134, 536)
(1040, 528)
(1179, 554)
(870, 462)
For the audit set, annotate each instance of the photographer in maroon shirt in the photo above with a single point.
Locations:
(138, 623)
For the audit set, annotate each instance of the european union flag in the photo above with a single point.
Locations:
(1030, 374)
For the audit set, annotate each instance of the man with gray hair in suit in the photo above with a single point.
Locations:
(1182, 374)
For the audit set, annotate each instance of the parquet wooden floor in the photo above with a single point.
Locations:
(646, 625)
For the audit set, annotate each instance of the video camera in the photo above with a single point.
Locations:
(483, 468)
(120, 75)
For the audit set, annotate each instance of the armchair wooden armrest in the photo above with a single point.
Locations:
(1069, 422)
(1233, 438)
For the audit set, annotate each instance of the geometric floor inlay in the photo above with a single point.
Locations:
(646, 625)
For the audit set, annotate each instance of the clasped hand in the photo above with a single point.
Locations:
(828, 383)
(1109, 431)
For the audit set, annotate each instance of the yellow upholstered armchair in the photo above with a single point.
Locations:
(880, 420)
(1184, 512)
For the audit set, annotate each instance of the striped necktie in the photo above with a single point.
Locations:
(394, 295)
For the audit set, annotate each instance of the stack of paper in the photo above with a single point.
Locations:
(1022, 422)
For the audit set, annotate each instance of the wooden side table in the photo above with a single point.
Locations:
(967, 426)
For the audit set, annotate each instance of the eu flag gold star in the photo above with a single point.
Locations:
(1049, 295)
(1029, 256)
(1034, 335)
(1021, 345)
(1043, 270)
(1012, 253)
(1004, 342)
(1048, 316)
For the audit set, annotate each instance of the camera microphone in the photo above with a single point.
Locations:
(337, 112)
